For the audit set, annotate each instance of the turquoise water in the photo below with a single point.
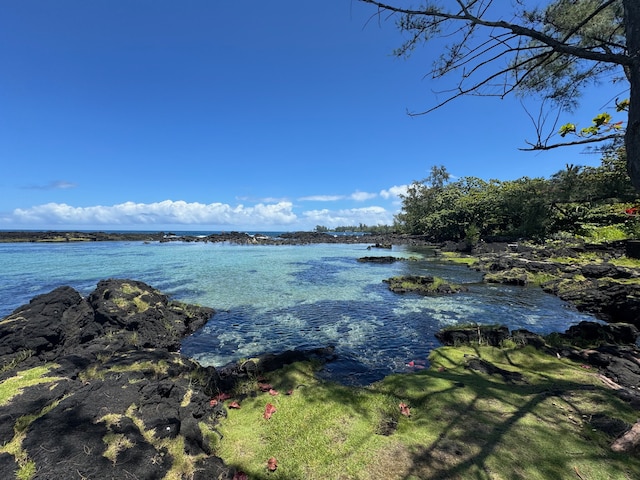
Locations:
(273, 298)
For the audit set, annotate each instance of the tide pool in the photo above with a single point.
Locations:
(273, 298)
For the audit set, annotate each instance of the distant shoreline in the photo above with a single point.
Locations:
(272, 238)
(33, 236)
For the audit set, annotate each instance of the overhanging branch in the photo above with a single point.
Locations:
(584, 141)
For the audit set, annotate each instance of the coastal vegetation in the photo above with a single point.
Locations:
(593, 203)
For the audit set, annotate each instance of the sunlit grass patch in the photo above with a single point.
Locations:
(463, 423)
(459, 258)
(626, 262)
(606, 233)
(13, 386)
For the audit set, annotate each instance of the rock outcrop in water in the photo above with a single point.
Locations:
(422, 285)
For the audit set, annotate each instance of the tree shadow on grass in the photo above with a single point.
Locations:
(486, 426)
(465, 422)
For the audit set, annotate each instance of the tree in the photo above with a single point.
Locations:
(553, 52)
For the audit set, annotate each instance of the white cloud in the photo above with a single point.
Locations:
(353, 216)
(362, 196)
(358, 196)
(55, 185)
(165, 212)
(277, 214)
(394, 191)
(321, 198)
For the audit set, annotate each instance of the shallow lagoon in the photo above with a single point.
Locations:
(273, 298)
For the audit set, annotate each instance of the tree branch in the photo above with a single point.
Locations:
(585, 141)
(557, 45)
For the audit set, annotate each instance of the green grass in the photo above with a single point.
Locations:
(626, 262)
(463, 424)
(455, 257)
(580, 259)
(601, 234)
(148, 367)
(26, 467)
(14, 386)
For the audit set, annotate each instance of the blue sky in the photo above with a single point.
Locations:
(201, 115)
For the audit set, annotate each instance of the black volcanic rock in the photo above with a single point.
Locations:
(108, 386)
(104, 389)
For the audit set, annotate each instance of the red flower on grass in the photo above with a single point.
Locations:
(269, 410)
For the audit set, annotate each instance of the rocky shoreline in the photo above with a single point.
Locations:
(240, 238)
(598, 279)
(96, 387)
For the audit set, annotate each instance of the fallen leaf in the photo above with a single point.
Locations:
(404, 409)
(273, 392)
(269, 410)
(265, 387)
(234, 404)
(586, 366)
(240, 476)
(221, 397)
(213, 402)
(272, 464)
(411, 364)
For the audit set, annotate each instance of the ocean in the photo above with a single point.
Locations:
(272, 298)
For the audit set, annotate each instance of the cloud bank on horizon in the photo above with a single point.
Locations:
(267, 214)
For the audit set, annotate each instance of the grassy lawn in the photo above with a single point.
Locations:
(463, 424)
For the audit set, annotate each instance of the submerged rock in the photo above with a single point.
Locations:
(587, 276)
(380, 259)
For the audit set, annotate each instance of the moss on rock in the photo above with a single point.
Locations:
(423, 285)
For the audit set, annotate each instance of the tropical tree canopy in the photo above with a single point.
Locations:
(571, 201)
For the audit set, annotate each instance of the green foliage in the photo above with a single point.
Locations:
(567, 129)
(600, 124)
(576, 200)
(561, 77)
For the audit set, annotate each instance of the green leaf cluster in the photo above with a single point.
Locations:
(601, 124)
